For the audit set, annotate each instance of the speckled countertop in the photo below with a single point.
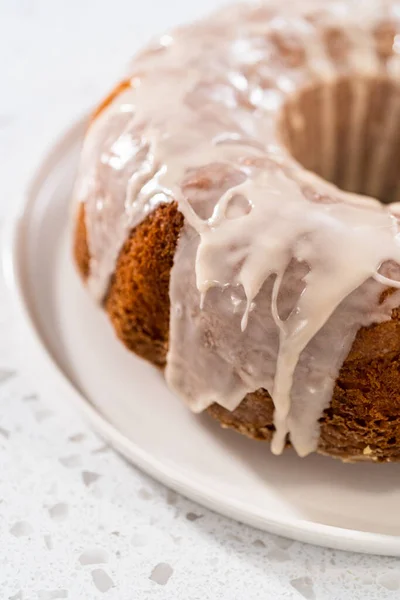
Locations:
(76, 521)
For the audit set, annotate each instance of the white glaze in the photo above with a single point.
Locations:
(272, 294)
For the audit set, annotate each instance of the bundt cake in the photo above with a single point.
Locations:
(237, 215)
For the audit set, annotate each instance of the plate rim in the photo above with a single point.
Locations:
(294, 528)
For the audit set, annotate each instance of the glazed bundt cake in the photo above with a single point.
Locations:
(238, 218)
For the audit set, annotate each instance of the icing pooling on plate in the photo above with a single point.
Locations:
(275, 269)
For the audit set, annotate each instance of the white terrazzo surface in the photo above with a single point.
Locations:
(76, 521)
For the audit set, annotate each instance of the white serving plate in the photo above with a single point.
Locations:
(73, 352)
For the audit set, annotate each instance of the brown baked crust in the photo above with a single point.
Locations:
(138, 298)
(362, 422)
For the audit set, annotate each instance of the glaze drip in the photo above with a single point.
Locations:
(276, 269)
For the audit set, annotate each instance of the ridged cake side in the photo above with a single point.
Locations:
(362, 421)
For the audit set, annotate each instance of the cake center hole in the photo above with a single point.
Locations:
(348, 132)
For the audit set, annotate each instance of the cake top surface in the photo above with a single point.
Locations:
(206, 119)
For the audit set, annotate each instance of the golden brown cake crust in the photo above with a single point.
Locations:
(362, 422)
